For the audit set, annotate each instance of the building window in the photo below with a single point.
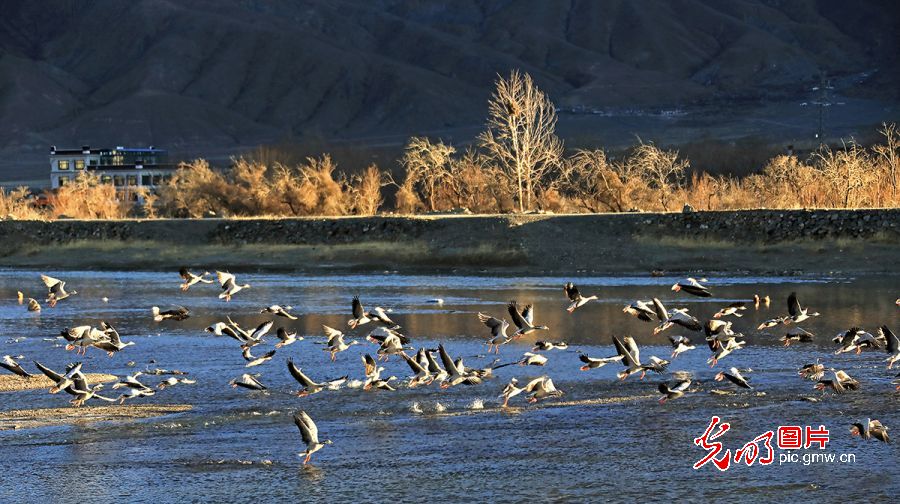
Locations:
(106, 179)
(62, 164)
(93, 162)
(157, 179)
(146, 180)
(63, 181)
(132, 180)
(118, 181)
(79, 164)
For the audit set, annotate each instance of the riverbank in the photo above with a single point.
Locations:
(752, 242)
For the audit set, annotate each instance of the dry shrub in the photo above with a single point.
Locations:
(17, 204)
(365, 190)
(594, 184)
(86, 197)
(661, 170)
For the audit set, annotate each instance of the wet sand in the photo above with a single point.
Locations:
(43, 417)
(13, 383)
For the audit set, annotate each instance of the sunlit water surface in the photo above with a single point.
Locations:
(238, 445)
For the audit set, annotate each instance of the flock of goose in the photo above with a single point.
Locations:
(448, 371)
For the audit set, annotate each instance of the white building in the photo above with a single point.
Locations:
(125, 168)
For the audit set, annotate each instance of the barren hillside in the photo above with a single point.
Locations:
(213, 76)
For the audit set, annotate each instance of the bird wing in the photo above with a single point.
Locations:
(49, 373)
(681, 386)
(571, 291)
(358, 311)
(298, 375)
(448, 363)
(660, 310)
(226, 280)
(381, 315)
(331, 333)
(793, 305)
(633, 348)
(262, 329)
(50, 281)
(627, 358)
(528, 314)
(416, 368)
(517, 318)
(893, 344)
(369, 363)
(308, 430)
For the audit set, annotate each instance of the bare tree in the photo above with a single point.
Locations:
(427, 164)
(661, 169)
(594, 183)
(888, 152)
(521, 138)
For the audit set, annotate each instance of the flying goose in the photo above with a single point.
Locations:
(390, 344)
(337, 345)
(732, 309)
(813, 371)
(112, 343)
(680, 344)
(81, 338)
(310, 387)
(692, 286)
(33, 305)
(718, 329)
(131, 381)
(56, 290)
(734, 376)
(454, 375)
(173, 380)
(511, 390)
(541, 388)
(577, 300)
(532, 359)
(594, 363)
(855, 339)
(870, 429)
(229, 284)
(546, 346)
(361, 316)
(798, 334)
(678, 316)
(421, 375)
(177, 314)
(524, 320)
(371, 369)
(250, 338)
(84, 392)
(310, 434)
(12, 366)
(631, 357)
(656, 365)
(721, 349)
(437, 372)
(641, 309)
(61, 381)
(256, 361)
(286, 338)
(247, 381)
(796, 313)
(892, 344)
(498, 331)
(191, 279)
(674, 392)
(133, 393)
(772, 323)
(279, 311)
(380, 334)
(841, 382)
(383, 384)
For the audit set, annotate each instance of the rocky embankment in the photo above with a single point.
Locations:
(633, 241)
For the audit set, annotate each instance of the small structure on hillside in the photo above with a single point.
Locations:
(126, 168)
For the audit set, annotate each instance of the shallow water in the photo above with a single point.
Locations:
(604, 439)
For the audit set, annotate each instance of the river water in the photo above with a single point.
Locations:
(603, 440)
